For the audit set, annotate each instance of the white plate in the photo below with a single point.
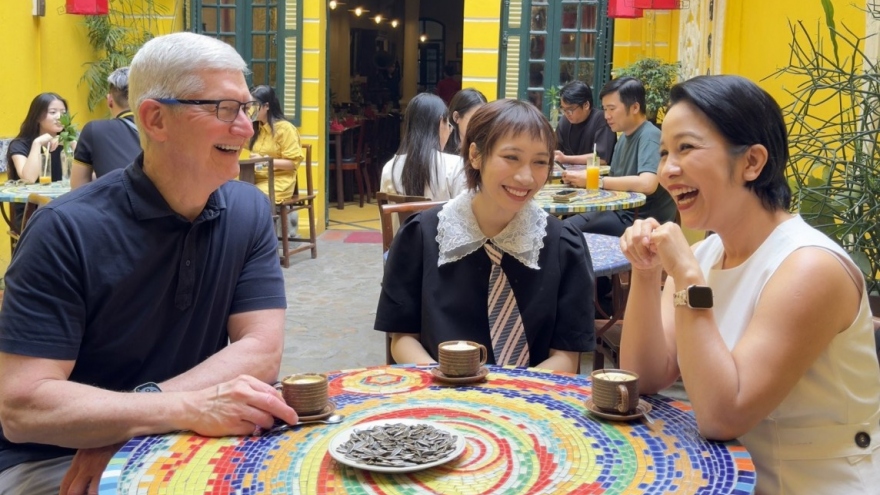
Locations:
(344, 435)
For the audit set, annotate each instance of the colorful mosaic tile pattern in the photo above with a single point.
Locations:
(14, 192)
(527, 432)
(607, 257)
(598, 200)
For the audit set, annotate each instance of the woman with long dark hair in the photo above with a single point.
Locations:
(39, 130)
(277, 138)
(419, 168)
(461, 109)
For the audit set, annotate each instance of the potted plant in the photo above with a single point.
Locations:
(834, 140)
(551, 95)
(66, 138)
(658, 77)
(115, 38)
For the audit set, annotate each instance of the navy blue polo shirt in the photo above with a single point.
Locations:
(109, 276)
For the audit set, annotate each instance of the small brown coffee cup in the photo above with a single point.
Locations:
(615, 391)
(461, 357)
(306, 393)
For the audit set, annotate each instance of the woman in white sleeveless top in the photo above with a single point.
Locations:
(783, 359)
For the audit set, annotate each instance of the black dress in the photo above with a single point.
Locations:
(449, 302)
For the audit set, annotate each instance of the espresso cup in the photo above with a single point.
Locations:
(461, 357)
(306, 393)
(615, 391)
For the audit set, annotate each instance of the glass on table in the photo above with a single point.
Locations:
(46, 168)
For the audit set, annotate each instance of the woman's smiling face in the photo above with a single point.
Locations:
(51, 123)
(512, 173)
(697, 167)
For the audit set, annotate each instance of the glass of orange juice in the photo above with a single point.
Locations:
(593, 175)
(46, 169)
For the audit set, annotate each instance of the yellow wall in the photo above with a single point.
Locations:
(653, 36)
(313, 125)
(757, 36)
(482, 32)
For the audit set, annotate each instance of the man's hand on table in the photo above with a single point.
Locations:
(238, 407)
(559, 157)
(577, 178)
(85, 470)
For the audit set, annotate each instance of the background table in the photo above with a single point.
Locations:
(18, 193)
(592, 200)
(556, 172)
(527, 432)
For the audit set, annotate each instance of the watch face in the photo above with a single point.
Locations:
(699, 297)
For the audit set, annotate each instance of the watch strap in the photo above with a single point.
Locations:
(147, 387)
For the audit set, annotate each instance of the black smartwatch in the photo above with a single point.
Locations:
(694, 297)
(148, 387)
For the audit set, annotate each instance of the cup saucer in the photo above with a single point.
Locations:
(324, 414)
(460, 380)
(643, 407)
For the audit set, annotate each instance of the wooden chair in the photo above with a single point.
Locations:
(387, 222)
(296, 202)
(299, 201)
(34, 202)
(357, 164)
(404, 209)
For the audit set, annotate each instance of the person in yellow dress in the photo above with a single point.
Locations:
(274, 137)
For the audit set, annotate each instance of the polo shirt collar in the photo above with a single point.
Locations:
(459, 234)
(147, 202)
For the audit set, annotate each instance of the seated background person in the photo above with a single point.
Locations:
(446, 255)
(633, 165)
(163, 273)
(582, 127)
(106, 145)
(277, 138)
(767, 321)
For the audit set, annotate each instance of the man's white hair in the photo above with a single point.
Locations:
(170, 66)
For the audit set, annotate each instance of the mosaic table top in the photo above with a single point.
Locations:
(607, 257)
(18, 193)
(587, 200)
(526, 431)
(556, 172)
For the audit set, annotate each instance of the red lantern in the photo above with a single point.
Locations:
(657, 4)
(623, 9)
(87, 7)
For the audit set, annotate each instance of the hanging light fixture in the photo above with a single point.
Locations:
(423, 38)
(623, 9)
(358, 11)
(332, 5)
(394, 23)
(378, 18)
(657, 4)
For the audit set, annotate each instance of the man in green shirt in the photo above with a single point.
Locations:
(633, 163)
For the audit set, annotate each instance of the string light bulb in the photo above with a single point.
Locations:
(358, 11)
(378, 18)
(394, 23)
(333, 4)
(423, 38)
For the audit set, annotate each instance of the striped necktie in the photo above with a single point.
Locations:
(509, 342)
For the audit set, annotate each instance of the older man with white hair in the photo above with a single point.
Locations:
(161, 277)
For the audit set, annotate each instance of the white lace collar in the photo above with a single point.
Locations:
(459, 234)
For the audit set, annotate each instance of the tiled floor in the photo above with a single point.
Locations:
(353, 217)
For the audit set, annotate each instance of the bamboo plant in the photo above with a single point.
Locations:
(115, 38)
(833, 134)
